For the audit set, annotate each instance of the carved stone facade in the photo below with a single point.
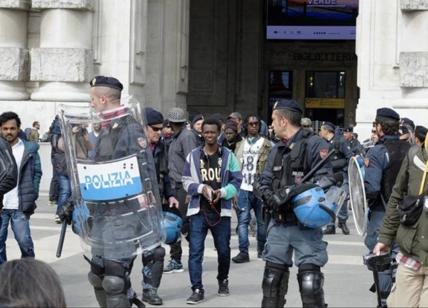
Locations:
(51, 49)
(76, 64)
(13, 64)
(392, 54)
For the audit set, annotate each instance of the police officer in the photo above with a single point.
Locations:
(290, 159)
(153, 260)
(354, 144)
(339, 162)
(116, 226)
(382, 164)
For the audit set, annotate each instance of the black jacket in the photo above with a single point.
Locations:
(8, 169)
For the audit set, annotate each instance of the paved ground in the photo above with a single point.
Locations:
(346, 280)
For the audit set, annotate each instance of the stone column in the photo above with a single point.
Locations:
(413, 60)
(13, 52)
(64, 62)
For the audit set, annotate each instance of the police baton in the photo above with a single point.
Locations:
(61, 239)
(311, 173)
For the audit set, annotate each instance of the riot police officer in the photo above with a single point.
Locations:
(290, 159)
(382, 164)
(115, 195)
(339, 162)
(354, 144)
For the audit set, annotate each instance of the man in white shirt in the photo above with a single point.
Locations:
(19, 203)
(252, 153)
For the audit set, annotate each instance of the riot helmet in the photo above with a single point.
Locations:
(312, 208)
(171, 227)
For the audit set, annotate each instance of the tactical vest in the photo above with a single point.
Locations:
(397, 150)
(338, 160)
(289, 166)
(290, 163)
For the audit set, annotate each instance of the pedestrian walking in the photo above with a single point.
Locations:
(212, 178)
(19, 203)
(252, 153)
(183, 142)
(406, 223)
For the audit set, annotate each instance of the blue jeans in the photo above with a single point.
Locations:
(21, 229)
(197, 233)
(64, 191)
(247, 201)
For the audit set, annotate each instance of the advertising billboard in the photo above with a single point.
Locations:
(311, 19)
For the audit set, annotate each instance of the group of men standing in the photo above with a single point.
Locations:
(202, 174)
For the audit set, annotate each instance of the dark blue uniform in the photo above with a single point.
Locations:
(381, 169)
(356, 147)
(340, 162)
(285, 235)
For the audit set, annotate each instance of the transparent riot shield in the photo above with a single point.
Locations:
(117, 209)
(357, 196)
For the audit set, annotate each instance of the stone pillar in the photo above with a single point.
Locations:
(13, 52)
(64, 62)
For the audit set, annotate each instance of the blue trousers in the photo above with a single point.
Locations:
(199, 226)
(247, 201)
(21, 229)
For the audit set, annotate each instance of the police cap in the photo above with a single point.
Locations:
(329, 126)
(387, 113)
(289, 104)
(109, 82)
(153, 116)
(407, 122)
(421, 132)
(348, 129)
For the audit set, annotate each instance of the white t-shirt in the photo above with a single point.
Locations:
(250, 158)
(11, 199)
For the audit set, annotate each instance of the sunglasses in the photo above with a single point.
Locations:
(156, 129)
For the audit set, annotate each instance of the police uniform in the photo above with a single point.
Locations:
(354, 144)
(121, 136)
(382, 164)
(288, 162)
(339, 163)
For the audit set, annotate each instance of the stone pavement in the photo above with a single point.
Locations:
(346, 280)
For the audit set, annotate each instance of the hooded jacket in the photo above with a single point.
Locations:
(230, 174)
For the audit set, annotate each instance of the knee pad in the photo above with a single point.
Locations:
(95, 280)
(114, 285)
(275, 280)
(159, 253)
(115, 269)
(311, 282)
(155, 255)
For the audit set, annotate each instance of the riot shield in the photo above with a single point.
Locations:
(117, 209)
(357, 196)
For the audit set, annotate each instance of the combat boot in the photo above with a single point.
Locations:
(330, 229)
(151, 296)
(344, 227)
